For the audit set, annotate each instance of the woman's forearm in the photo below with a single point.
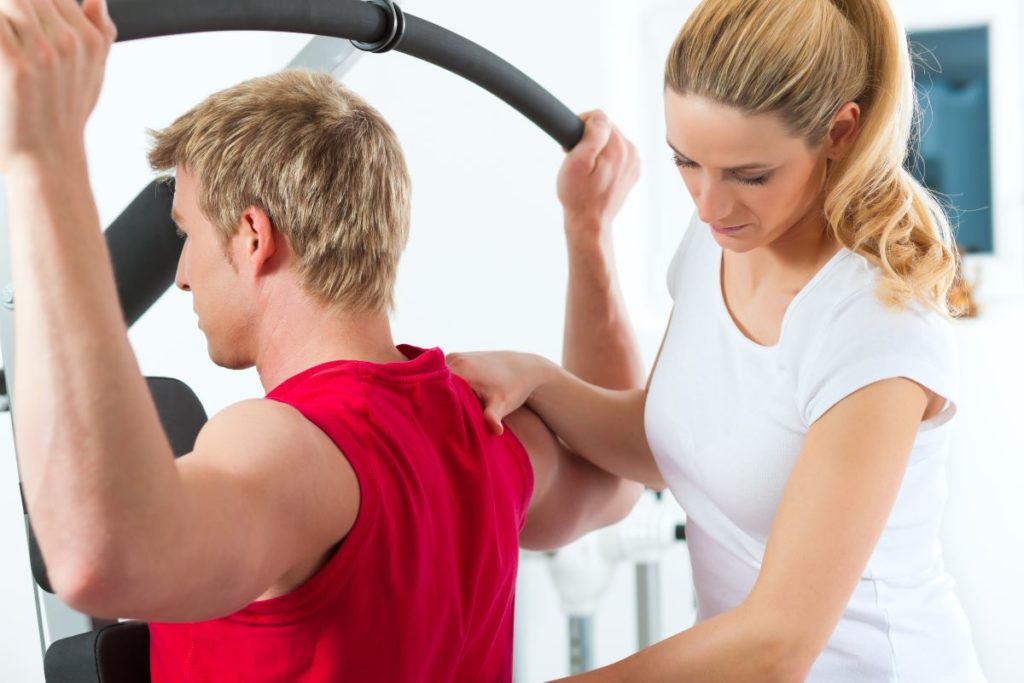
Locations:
(734, 647)
(599, 345)
(604, 426)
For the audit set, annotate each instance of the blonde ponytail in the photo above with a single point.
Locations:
(802, 60)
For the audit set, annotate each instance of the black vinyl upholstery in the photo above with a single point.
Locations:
(118, 653)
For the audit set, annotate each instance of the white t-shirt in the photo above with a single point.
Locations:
(726, 419)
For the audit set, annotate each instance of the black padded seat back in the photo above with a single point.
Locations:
(182, 416)
(181, 413)
(119, 653)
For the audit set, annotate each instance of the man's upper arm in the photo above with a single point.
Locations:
(266, 495)
(571, 496)
(834, 508)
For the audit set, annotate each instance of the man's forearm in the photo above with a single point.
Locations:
(599, 344)
(96, 467)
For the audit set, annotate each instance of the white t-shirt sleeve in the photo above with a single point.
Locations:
(863, 342)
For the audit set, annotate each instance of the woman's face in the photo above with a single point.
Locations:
(750, 179)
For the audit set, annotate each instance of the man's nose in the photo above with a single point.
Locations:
(180, 278)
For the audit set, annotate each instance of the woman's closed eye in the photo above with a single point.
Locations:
(682, 162)
(756, 180)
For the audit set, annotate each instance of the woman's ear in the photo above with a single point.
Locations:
(843, 132)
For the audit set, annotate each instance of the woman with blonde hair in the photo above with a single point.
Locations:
(800, 405)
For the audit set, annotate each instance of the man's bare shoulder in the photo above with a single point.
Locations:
(268, 440)
(260, 424)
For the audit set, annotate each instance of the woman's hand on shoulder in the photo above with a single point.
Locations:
(503, 380)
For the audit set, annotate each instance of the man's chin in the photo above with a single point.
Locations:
(230, 361)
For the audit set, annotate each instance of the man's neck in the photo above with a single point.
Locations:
(303, 335)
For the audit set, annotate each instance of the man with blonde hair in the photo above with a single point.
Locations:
(358, 523)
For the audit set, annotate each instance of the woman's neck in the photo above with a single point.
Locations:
(792, 259)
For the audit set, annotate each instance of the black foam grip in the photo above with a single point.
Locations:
(353, 19)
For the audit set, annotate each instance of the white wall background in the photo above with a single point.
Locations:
(486, 268)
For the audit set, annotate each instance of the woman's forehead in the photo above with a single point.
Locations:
(719, 135)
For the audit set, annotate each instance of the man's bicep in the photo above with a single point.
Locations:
(571, 496)
(542, 448)
(265, 494)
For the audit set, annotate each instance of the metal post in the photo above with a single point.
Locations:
(581, 644)
(648, 604)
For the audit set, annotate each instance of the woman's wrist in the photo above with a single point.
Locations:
(542, 373)
(586, 230)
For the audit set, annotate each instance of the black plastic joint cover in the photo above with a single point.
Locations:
(395, 31)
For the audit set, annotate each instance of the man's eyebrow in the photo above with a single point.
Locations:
(735, 169)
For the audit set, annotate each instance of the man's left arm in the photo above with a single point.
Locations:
(90, 442)
(571, 496)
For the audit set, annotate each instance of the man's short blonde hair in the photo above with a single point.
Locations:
(323, 164)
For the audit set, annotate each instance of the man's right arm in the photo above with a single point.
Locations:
(243, 514)
(571, 496)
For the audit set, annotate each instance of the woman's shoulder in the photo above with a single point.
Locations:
(846, 337)
(845, 302)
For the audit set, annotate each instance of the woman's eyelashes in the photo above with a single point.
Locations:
(681, 162)
(756, 180)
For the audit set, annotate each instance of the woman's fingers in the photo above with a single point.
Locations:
(493, 422)
(614, 151)
(494, 382)
(595, 137)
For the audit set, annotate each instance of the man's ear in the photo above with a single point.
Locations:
(259, 239)
(844, 130)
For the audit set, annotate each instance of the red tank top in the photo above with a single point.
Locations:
(422, 587)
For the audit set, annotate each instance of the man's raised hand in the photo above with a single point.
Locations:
(52, 58)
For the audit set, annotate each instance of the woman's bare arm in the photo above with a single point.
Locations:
(835, 505)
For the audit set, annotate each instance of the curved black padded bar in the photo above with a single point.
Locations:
(396, 31)
(143, 253)
(355, 20)
(448, 50)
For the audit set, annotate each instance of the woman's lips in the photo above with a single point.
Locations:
(726, 229)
